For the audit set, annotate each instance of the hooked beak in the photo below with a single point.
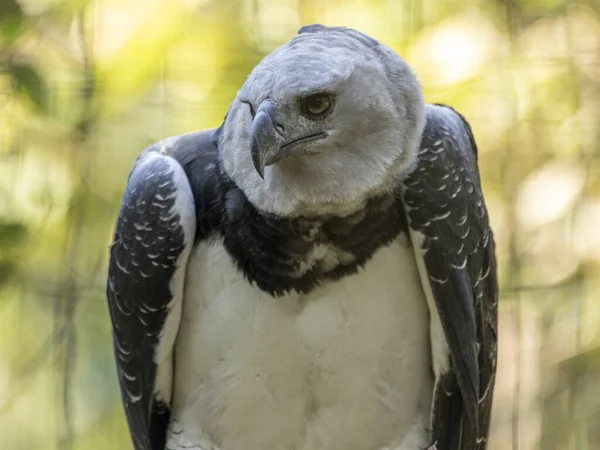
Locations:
(266, 141)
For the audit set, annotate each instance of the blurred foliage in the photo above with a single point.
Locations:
(86, 85)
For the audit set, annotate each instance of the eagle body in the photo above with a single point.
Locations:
(321, 370)
(268, 294)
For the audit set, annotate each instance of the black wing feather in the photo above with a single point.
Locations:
(148, 240)
(445, 203)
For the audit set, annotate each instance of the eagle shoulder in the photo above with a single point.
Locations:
(455, 249)
(155, 232)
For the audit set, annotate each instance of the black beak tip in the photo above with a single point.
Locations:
(257, 162)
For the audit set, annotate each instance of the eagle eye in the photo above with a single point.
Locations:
(316, 106)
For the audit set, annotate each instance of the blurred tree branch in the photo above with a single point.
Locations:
(68, 302)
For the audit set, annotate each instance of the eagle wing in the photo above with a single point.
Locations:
(154, 235)
(455, 252)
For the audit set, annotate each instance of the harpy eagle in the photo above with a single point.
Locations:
(318, 273)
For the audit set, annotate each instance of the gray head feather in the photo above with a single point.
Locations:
(331, 163)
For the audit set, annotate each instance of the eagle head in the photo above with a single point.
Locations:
(322, 124)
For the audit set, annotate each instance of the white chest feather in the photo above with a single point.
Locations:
(346, 367)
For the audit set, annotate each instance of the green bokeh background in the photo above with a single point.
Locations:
(86, 85)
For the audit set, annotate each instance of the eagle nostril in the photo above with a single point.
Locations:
(280, 129)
